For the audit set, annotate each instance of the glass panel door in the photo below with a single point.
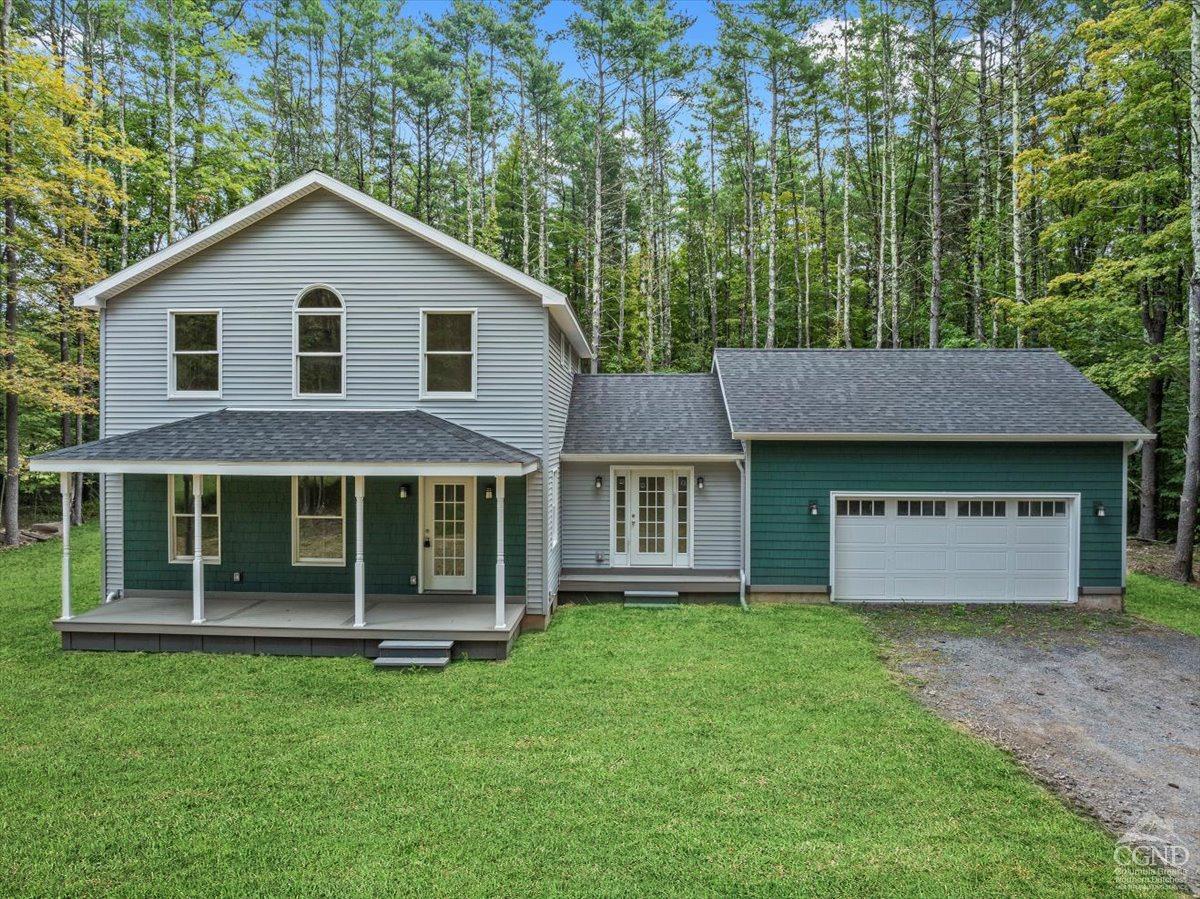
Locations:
(448, 545)
(652, 519)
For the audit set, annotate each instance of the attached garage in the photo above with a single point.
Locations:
(949, 476)
(954, 548)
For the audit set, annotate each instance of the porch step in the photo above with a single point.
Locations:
(651, 599)
(438, 662)
(414, 653)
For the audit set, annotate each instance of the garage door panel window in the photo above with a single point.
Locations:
(1041, 508)
(860, 507)
(926, 508)
(982, 508)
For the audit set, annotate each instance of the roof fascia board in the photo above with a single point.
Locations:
(276, 469)
(650, 457)
(901, 437)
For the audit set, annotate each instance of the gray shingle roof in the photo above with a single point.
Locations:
(916, 392)
(677, 415)
(299, 436)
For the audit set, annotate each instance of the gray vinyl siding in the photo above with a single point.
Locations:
(586, 515)
(385, 276)
(560, 377)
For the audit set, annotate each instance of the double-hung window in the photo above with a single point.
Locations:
(195, 353)
(320, 344)
(318, 520)
(448, 353)
(182, 518)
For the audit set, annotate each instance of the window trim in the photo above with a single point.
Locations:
(425, 394)
(173, 559)
(296, 313)
(315, 563)
(173, 392)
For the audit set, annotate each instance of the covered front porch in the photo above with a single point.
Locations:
(318, 533)
(291, 626)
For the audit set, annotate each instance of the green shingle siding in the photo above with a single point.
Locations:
(790, 546)
(256, 539)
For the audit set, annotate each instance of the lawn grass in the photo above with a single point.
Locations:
(1164, 602)
(692, 751)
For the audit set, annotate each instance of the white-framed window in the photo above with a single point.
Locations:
(921, 508)
(318, 520)
(564, 350)
(620, 513)
(1041, 508)
(194, 337)
(982, 508)
(448, 353)
(860, 507)
(181, 518)
(552, 503)
(683, 513)
(319, 343)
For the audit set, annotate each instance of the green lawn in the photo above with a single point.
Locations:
(1165, 602)
(696, 751)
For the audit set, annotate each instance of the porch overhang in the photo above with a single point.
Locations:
(384, 443)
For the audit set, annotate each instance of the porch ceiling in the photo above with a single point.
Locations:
(267, 442)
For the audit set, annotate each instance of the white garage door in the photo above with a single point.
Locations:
(953, 549)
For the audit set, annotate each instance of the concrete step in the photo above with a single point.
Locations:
(433, 662)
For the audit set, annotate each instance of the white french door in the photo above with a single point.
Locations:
(651, 516)
(448, 534)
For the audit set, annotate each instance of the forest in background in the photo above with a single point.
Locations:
(896, 174)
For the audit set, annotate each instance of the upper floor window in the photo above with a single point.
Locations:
(195, 353)
(320, 343)
(448, 353)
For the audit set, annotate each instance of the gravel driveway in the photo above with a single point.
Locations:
(1102, 708)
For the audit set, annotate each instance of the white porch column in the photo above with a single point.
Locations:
(360, 565)
(64, 486)
(197, 551)
(500, 551)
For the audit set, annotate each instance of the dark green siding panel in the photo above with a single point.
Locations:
(790, 546)
(256, 539)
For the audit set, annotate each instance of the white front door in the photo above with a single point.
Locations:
(448, 534)
(652, 519)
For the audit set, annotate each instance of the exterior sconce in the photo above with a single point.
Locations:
(488, 492)
(404, 491)
(812, 507)
(1099, 509)
(599, 482)
(412, 580)
(700, 483)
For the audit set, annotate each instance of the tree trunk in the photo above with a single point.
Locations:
(1148, 494)
(935, 184)
(172, 126)
(773, 211)
(1018, 227)
(1186, 535)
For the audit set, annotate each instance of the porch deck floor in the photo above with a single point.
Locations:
(449, 618)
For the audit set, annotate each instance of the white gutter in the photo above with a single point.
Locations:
(901, 437)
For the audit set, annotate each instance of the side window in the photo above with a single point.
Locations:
(195, 339)
(320, 343)
(318, 520)
(552, 504)
(448, 353)
(180, 513)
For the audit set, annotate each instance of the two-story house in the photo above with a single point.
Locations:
(328, 428)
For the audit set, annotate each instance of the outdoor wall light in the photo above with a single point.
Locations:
(488, 492)
(813, 509)
(404, 491)
(599, 482)
(1099, 509)
(699, 483)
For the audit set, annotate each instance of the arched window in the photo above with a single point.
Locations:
(320, 343)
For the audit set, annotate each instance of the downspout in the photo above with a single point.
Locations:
(742, 569)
